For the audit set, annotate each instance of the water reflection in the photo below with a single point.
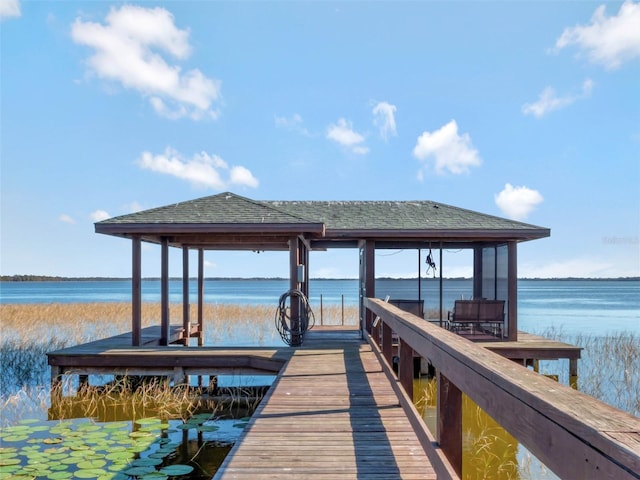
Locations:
(488, 450)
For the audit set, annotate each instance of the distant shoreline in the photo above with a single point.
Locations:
(48, 278)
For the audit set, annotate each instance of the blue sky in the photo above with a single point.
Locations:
(526, 110)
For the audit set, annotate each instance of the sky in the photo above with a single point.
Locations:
(524, 110)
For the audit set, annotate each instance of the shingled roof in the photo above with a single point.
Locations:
(241, 219)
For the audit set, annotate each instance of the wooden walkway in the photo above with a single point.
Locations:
(332, 414)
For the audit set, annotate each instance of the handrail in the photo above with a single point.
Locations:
(573, 434)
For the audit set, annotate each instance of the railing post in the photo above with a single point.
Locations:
(375, 331)
(405, 368)
(387, 345)
(449, 416)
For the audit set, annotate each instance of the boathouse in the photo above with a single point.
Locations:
(338, 409)
(232, 222)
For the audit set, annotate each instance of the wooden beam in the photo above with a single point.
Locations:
(200, 297)
(369, 279)
(164, 292)
(294, 311)
(449, 423)
(477, 272)
(405, 367)
(387, 344)
(512, 289)
(186, 321)
(136, 291)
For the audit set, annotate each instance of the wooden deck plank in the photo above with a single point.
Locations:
(332, 413)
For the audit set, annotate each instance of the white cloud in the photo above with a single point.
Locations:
(9, 9)
(242, 176)
(360, 149)
(290, 122)
(128, 48)
(342, 133)
(384, 119)
(608, 41)
(201, 169)
(66, 218)
(449, 150)
(549, 101)
(99, 215)
(294, 122)
(517, 202)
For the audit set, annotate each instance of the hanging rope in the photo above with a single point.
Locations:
(290, 334)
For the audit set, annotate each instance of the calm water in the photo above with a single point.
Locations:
(593, 307)
(575, 306)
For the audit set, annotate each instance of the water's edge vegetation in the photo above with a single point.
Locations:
(609, 370)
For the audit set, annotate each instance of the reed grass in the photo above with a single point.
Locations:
(609, 370)
(29, 331)
(130, 398)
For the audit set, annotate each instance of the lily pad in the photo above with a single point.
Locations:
(154, 476)
(91, 464)
(61, 475)
(115, 425)
(15, 438)
(139, 471)
(208, 428)
(120, 456)
(147, 420)
(146, 462)
(178, 469)
(89, 473)
(52, 441)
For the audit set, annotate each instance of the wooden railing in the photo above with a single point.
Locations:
(573, 434)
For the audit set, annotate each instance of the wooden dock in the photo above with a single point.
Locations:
(332, 414)
(115, 355)
(336, 410)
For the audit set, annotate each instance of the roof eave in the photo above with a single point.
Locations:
(443, 234)
(128, 229)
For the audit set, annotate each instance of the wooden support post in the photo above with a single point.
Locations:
(136, 292)
(370, 278)
(512, 288)
(164, 292)
(293, 285)
(200, 297)
(573, 373)
(186, 321)
(375, 332)
(449, 414)
(387, 345)
(477, 272)
(405, 368)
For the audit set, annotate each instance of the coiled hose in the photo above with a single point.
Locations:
(293, 332)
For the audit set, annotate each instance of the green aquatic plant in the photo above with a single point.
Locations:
(85, 449)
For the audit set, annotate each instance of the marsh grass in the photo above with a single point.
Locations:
(29, 331)
(130, 399)
(609, 370)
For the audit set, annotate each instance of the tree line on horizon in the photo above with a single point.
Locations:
(54, 278)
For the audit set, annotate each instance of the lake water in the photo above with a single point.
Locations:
(573, 307)
(595, 307)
